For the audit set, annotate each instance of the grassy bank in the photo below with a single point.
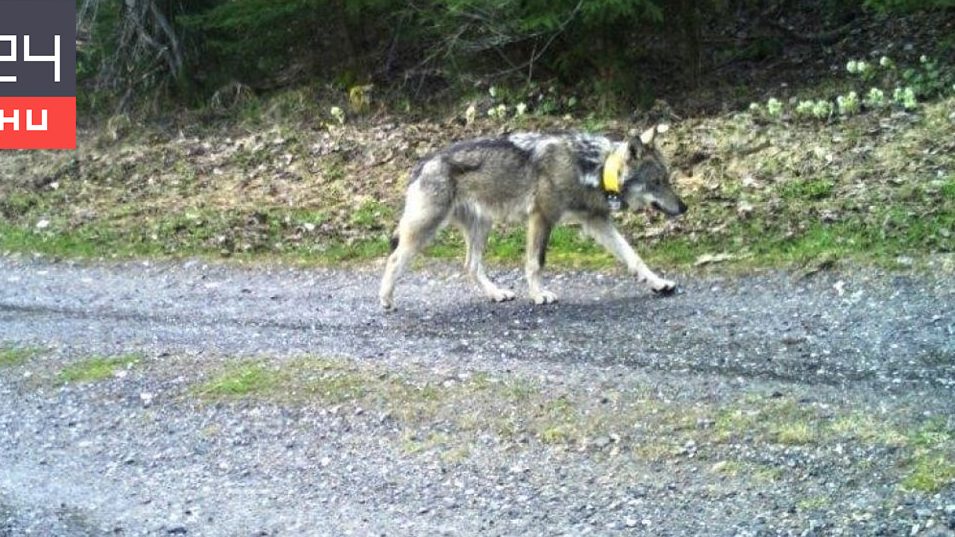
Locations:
(874, 188)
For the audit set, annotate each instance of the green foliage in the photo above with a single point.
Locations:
(774, 107)
(928, 79)
(252, 39)
(905, 97)
(875, 98)
(372, 215)
(813, 189)
(191, 52)
(908, 5)
(848, 104)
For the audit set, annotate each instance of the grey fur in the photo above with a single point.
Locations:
(540, 178)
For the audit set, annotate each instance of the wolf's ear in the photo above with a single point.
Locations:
(651, 133)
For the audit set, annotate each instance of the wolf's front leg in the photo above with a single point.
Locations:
(603, 231)
(538, 233)
(476, 231)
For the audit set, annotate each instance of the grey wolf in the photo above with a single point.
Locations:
(542, 179)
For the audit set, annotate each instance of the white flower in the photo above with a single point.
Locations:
(822, 109)
(905, 97)
(852, 66)
(469, 114)
(338, 114)
(773, 107)
(520, 109)
(492, 91)
(886, 62)
(804, 108)
(875, 98)
(848, 104)
(923, 59)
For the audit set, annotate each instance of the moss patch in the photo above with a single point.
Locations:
(96, 368)
(11, 356)
(445, 417)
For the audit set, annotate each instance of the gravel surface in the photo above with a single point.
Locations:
(762, 404)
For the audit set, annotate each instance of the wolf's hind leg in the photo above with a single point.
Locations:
(424, 213)
(476, 229)
(603, 231)
(538, 233)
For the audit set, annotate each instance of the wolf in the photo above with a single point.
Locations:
(539, 178)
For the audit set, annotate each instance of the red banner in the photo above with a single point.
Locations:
(37, 122)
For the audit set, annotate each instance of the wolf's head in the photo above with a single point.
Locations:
(646, 179)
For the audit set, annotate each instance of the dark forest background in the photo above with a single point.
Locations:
(616, 53)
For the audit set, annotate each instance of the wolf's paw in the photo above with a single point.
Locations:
(500, 295)
(663, 287)
(544, 297)
(386, 304)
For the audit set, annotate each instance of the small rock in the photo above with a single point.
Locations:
(839, 286)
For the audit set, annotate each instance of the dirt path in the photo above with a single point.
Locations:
(756, 405)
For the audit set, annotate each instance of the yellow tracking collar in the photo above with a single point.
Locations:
(612, 166)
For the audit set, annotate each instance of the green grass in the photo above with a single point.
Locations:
(96, 368)
(795, 433)
(11, 356)
(278, 235)
(948, 189)
(242, 380)
(813, 189)
(932, 463)
(306, 379)
(371, 215)
(930, 473)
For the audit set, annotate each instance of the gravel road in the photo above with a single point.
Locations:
(856, 367)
